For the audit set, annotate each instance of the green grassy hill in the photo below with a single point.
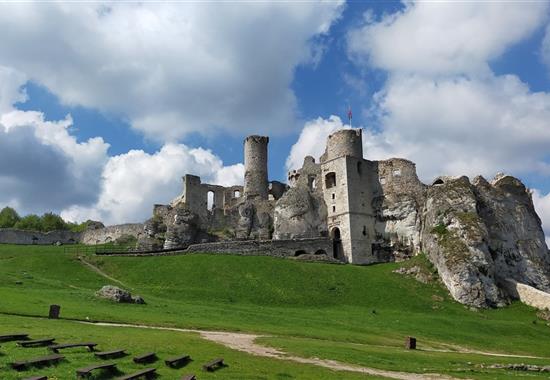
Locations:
(348, 313)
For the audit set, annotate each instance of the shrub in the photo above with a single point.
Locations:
(52, 222)
(440, 230)
(8, 217)
(29, 222)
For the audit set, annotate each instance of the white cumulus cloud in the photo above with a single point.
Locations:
(444, 37)
(170, 68)
(44, 168)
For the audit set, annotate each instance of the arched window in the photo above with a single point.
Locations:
(210, 200)
(311, 182)
(330, 180)
(236, 194)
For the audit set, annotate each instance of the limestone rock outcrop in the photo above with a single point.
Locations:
(478, 235)
(300, 214)
(182, 229)
(455, 239)
(119, 295)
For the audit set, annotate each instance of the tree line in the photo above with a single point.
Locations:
(9, 218)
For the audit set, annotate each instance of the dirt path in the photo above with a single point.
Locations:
(99, 271)
(247, 343)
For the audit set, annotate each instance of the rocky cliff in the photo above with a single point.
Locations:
(480, 234)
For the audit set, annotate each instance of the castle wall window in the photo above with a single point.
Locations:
(383, 181)
(333, 208)
(333, 196)
(397, 172)
(210, 200)
(311, 183)
(236, 194)
(330, 180)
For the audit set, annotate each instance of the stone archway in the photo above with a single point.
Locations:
(337, 248)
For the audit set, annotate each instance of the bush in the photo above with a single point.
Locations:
(29, 222)
(52, 222)
(8, 217)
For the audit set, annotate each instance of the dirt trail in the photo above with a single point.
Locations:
(247, 343)
(99, 271)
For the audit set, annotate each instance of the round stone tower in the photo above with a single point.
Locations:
(345, 142)
(255, 167)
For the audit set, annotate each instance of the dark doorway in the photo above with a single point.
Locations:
(337, 248)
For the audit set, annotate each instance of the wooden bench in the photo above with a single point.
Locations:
(37, 378)
(213, 365)
(36, 343)
(57, 347)
(189, 377)
(13, 336)
(145, 358)
(147, 373)
(37, 361)
(177, 361)
(86, 371)
(110, 354)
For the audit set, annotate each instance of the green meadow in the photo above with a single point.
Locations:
(353, 314)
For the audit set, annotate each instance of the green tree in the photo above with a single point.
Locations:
(29, 222)
(52, 222)
(8, 217)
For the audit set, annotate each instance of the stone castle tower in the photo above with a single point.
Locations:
(255, 166)
(347, 194)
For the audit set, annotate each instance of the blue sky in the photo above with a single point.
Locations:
(157, 90)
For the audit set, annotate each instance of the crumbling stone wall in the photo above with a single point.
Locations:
(276, 248)
(111, 233)
(15, 236)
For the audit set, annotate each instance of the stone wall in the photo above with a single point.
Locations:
(14, 236)
(527, 294)
(277, 248)
(111, 233)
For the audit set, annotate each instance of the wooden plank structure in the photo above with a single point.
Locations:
(410, 343)
(36, 343)
(146, 373)
(110, 354)
(145, 358)
(213, 365)
(13, 336)
(87, 371)
(177, 361)
(43, 360)
(57, 347)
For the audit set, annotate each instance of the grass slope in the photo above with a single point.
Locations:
(165, 343)
(313, 309)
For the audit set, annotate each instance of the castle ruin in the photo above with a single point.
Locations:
(347, 209)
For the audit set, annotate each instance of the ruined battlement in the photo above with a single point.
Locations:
(345, 142)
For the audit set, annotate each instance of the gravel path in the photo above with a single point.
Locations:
(247, 343)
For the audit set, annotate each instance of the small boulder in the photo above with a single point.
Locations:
(138, 300)
(116, 294)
